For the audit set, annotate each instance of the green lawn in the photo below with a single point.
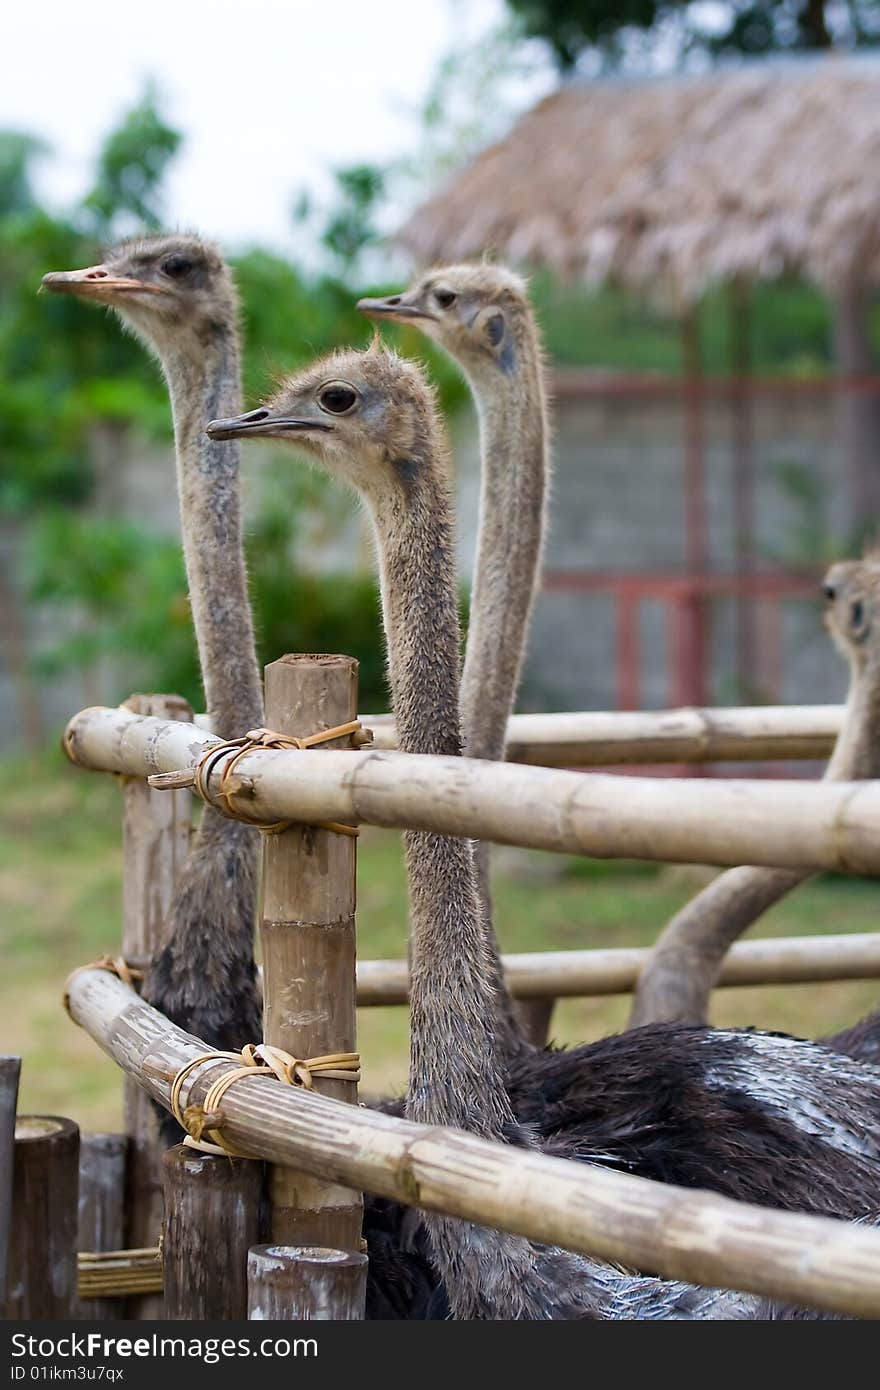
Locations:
(60, 892)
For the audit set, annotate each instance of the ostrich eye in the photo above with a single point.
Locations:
(829, 591)
(176, 266)
(857, 614)
(445, 298)
(337, 399)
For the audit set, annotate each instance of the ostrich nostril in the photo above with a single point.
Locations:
(393, 299)
(830, 591)
(97, 275)
(255, 415)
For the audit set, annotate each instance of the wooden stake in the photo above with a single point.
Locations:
(307, 931)
(155, 835)
(42, 1272)
(10, 1068)
(102, 1163)
(213, 1208)
(671, 1231)
(289, 1283)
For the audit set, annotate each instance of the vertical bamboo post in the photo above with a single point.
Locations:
(213, 1208)
(156, 834)
(535, 1016)
(308, 1283)
(10, 1068)
(308, 939)
(102, 1160)
(42, 1269)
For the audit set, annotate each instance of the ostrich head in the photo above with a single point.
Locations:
(478, 313)
(367, 417)
(164, 288)
(852, 615)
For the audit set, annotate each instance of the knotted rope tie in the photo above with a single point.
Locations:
(200, 776)
(257, 1060)
(115, 965)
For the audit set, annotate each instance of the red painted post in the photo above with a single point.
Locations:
(628, 653)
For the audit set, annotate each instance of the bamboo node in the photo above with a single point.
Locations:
(199, 777)
(255, 1059)
(115, 965)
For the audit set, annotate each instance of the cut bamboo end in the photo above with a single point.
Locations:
(306, 1283)
(42, 1248)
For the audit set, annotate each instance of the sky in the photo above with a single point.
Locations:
(271, 94)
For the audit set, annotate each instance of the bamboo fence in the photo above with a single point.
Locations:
(572, 974)
(774, 733)
(336, 1148)
(673, 1232)
(816, 826)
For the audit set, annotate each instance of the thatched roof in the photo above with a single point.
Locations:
(755, 170)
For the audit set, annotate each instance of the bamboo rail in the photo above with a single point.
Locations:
(773, 733)
(799, 825)
(677, 1233)
(786, 960)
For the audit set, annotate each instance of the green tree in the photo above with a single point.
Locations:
(127, 194)
(610, 30)
(18, 151)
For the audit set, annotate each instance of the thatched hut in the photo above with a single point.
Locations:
(675, 184)
(751, 171)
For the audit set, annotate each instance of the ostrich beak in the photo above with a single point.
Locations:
(96, 282)
(261, 421)
(394, 306)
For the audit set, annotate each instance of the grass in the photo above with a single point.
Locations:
(60, 868)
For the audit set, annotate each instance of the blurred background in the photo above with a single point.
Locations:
(693, 189)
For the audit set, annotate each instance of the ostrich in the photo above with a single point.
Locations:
(770, 1118)
(178, 296)
(481, 316)
(370, 419)
(684, 964)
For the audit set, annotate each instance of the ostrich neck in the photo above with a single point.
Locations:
(205, 385)
(510, 538)
(856, 753)
(455, 1077)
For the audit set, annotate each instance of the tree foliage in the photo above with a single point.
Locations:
(610, 30)
(127, 194)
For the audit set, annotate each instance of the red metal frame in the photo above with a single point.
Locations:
(685, 597)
